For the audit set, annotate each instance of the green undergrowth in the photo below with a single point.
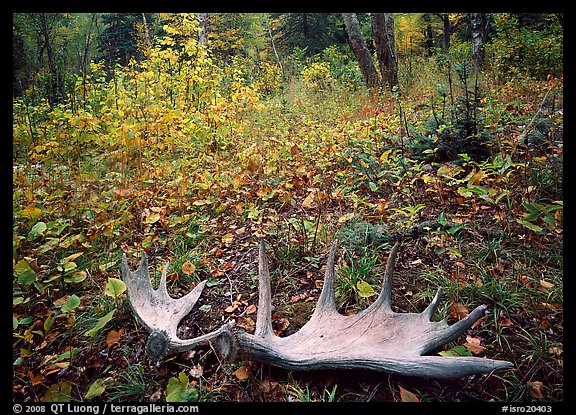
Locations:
(300, 167)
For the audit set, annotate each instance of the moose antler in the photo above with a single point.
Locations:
(376, 338)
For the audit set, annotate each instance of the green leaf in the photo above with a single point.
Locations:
(205, 308)
(115, 287)
(76, 277)
(96, 389)
(177, 390)
(36, 230)
(58, 392)
(100, 324)
(456, 351)
(153, 218)
(442, 219)
(530, 225)
(365, 289)
(72, 302)
(24, 273)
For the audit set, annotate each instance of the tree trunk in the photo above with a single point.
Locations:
(446, 32)
(360, 50)
(383, 34)
(477, 23)
(202, 35)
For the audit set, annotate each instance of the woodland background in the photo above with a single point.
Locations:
(189, 136)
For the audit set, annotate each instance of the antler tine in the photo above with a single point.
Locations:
(264, 315)
(450, 333)
(431, 309)
(385, 298)
(326, 302)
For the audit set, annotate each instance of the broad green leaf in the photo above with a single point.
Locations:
(456, 351)
(76, 277)
(153, 218)
(365, 289)
(36, 230)
(72, 302)
(24, 273)
(530, 225)
(58, 392)
(442, 219)
(114, 287)
(96, 389)
(100, 324)
(177, 390)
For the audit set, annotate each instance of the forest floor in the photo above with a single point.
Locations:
(305, 168)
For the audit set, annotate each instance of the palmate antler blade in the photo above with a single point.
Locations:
(160, 314)
(376, 338)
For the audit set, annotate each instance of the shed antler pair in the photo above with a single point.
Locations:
(376, 338)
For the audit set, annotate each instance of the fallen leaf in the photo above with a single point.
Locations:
(251, 309)
(295, 298)
(545, 285)
(242, 373)
(268, 385)
(309, 201)
(96, 389)
(280, 325)
(58, 392)
(473, 344)
(457, 310)
(536, 388)
(231, 308)
(504, 321)
(188, 268)
(113, 337)
(407, 396)
(245, 323)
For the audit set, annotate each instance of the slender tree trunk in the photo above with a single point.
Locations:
(477, 23)
(360, 50)
(446, 32)
(202, 35)
(383, 35)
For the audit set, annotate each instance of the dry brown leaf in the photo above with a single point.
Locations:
(113, 337)
(536, 388)
(309, 201)
(251, 309)
(280, 325)
(473, 344)
(245, 323)
(407, 396)
(268, 385)
(295, 298)
(457, 310)
(242, 373)
(188, 268)
(232, 308)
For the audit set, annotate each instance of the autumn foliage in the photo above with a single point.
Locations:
(192, 160)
